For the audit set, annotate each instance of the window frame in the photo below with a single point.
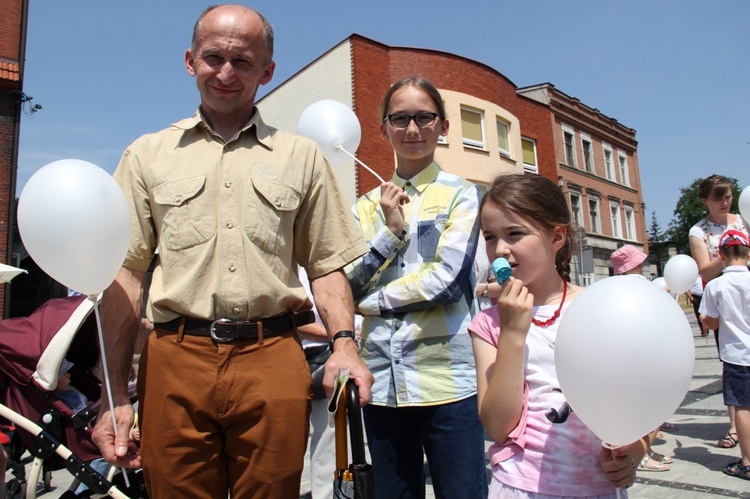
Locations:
(589, 165)
(622, 161)
(615, 219)
(569, 149)
(576, 214)
(504, 123)
(468, 142)
(609, 166)
(629, 222)
(595, 219)
(528, 167)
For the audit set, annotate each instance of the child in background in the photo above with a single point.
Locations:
(725, 306)
(541, 448)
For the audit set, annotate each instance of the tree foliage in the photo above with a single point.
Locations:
(690, 210)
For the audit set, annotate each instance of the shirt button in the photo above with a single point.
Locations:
(230, 224)
(232, 268)
(235, 311)
(178, 199)
(228, 183)
(277, 202)
(402, 396)
(398, 362)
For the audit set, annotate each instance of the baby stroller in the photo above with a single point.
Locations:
(32, 350)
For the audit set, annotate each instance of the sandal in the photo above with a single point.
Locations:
(737, 469)
(648, 464)
(728, 441)
(661, 458)
(667, 426)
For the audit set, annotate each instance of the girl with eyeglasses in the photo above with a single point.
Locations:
(415, 290)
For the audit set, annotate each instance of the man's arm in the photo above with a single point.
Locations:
(121, 317)
(333, 299)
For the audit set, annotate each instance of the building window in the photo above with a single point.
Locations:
(623, 162)
(575, 208)
(529, 155)
(588, 153)
(609, 167)
(503, 131)
(569, 145)
(614, 213)
(472, 126)
(596, 225)
(629, 223)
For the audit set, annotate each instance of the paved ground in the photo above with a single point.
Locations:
(696, 471)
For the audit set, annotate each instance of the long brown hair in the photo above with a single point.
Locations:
(539, 201)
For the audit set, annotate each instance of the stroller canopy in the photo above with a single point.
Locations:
(34, 347)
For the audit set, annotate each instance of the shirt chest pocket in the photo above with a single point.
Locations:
(187, 217)
(271, 212)
(428, 236)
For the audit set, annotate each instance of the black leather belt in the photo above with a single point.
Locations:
(225, 330)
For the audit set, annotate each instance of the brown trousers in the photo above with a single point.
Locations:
(219, 419)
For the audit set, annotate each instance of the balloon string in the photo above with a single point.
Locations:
(107, 382)
(340, 147)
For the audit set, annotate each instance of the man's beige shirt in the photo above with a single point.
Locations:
(232, 220)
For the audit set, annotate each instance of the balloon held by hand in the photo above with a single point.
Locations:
(335, 127)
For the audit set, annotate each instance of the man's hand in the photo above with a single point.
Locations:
(115, 449)
(346, 354)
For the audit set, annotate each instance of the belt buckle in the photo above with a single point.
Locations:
(212, 330)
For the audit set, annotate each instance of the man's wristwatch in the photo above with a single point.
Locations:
(344, 334)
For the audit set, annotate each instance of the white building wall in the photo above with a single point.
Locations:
(329, 77)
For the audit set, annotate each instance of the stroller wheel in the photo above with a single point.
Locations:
(15, 489)
(47, 480)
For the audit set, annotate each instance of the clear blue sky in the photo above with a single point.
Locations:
(677, 71)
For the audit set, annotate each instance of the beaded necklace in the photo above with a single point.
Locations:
(554, 317)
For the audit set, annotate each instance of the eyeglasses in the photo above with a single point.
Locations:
(401, 120)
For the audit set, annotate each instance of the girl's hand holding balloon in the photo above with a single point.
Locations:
(617, 465)
(392, 198)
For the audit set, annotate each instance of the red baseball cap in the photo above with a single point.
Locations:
(733, 237)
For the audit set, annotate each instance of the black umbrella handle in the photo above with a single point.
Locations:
(356, 434)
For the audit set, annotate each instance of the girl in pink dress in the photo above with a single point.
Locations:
(542, 449)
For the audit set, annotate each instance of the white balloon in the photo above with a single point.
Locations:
(744, 205)
(74, 221)
(616, 332)
(661, 282)
(333, 125)
(680, 273)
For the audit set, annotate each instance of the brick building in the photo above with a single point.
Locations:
(597, 168)
(12, 49)
(496, 128)
(493, 129)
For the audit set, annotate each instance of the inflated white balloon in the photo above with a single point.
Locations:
(615, 332)
(74, 221)
(744, 205)
(680, 273)
(333, 125)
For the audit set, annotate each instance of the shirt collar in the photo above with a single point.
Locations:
(256, 124)
(421, 180)
(736, 268)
